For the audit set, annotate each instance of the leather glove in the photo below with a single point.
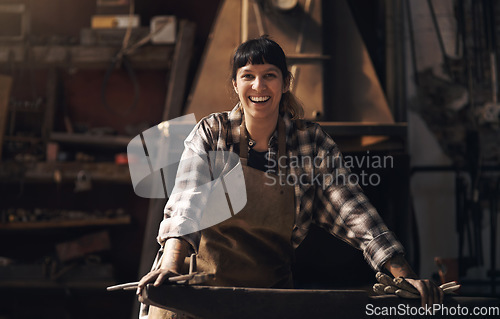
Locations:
(400, 287)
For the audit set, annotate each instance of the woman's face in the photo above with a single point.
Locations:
(259, 87)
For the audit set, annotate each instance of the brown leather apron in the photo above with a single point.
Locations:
(253, 248)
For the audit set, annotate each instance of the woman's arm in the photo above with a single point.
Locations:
(175, 251)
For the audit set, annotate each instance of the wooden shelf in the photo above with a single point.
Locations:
(365, 128)
(47, 284)
(24, 139)
(45, 171)
(123, 220)
(87, 139)
(146, 57)
(75, 275)
(304, 57)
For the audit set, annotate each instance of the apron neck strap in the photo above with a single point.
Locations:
(244, 139)
(281, 137)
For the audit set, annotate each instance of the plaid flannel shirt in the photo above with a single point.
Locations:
(323, 193)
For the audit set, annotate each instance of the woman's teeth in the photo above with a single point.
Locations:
(259, 99)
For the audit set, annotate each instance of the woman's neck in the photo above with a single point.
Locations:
(260, 130)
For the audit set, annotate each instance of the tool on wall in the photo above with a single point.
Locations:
(163, 30)
(83, 182)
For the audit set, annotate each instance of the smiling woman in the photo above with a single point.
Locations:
(255, 247)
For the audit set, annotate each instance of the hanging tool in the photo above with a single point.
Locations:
(446, 58)
(490, 112)
(83, 182)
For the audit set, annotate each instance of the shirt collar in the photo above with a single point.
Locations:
(235, 118)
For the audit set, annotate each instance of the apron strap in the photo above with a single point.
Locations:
(243, 139)
(281, 137)
(281, 141)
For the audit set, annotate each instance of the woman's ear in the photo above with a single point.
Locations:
(235, 87)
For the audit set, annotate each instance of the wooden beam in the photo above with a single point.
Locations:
(178, 74)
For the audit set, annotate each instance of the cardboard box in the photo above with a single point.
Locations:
(164, 29)
(114, 21)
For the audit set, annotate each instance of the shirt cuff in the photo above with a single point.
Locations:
(181, 227)
(381, 248)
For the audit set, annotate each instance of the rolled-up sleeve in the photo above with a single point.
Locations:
(344, 210)
(191, 190)
(381, 248)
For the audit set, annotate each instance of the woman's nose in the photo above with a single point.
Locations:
(259, 84)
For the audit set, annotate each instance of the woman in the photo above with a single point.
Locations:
(255, 247)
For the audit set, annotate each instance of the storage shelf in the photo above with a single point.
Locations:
(68, 171)
(365, 128)
(23, 139)
(147, 57)
(39, 276)
(123, 220)
(47, 284)
(87, 139)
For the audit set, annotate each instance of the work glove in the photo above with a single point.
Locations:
(400, 287)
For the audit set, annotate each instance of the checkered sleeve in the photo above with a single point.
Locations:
(344, 210)
(189, 196)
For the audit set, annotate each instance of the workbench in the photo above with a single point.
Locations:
(234, 302)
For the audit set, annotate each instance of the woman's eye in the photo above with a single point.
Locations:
(270, 75)
(247, 76)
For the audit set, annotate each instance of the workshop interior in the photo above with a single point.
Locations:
(408, 89)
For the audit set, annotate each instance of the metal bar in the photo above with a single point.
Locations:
(194, 278)
(439, 36)
(493, 234)
(411, 32)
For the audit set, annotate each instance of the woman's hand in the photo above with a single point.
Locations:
(175, 251)
(157, 277)
(430, 293)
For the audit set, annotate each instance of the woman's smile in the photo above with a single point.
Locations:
(259, 99)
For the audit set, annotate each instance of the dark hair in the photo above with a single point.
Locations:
(264, 50)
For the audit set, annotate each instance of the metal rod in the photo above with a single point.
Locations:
(411, 32)
(134, 284)
(439, 36)
(493, 234)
